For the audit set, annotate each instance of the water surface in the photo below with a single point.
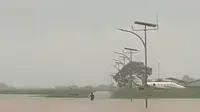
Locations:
(25, 103)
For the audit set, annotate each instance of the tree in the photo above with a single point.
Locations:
(129, 70)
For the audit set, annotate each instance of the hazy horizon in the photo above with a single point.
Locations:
(61, 42)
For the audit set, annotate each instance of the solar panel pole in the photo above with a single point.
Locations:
(144, 42)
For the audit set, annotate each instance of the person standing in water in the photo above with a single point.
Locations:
(91, 96)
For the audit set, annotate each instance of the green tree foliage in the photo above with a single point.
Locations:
(124, 76)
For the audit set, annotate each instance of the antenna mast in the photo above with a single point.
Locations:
(157, 20)
(158, 70)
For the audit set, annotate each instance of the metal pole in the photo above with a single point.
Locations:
(131, 54)
(131, 81)
(145, 77)
(117, 65)
(131, 75)
(131, 89)
(124, 58)
(111, 81)
(145, 81)
(158, 70)
(144, 42)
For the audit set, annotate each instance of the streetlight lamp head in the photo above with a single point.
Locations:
(119, 29)
(131, 49)
(145, 24)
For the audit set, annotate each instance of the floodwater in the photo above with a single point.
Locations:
(21, 103)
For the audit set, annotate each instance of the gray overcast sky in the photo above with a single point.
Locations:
(57, 42)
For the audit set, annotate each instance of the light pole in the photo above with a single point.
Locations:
(124, 59)
(111, 79)
(119, 63)
(131, 51)
(158, 70)
(144, 42)
(130, 60)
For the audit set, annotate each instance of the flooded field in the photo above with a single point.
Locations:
(19, 103)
